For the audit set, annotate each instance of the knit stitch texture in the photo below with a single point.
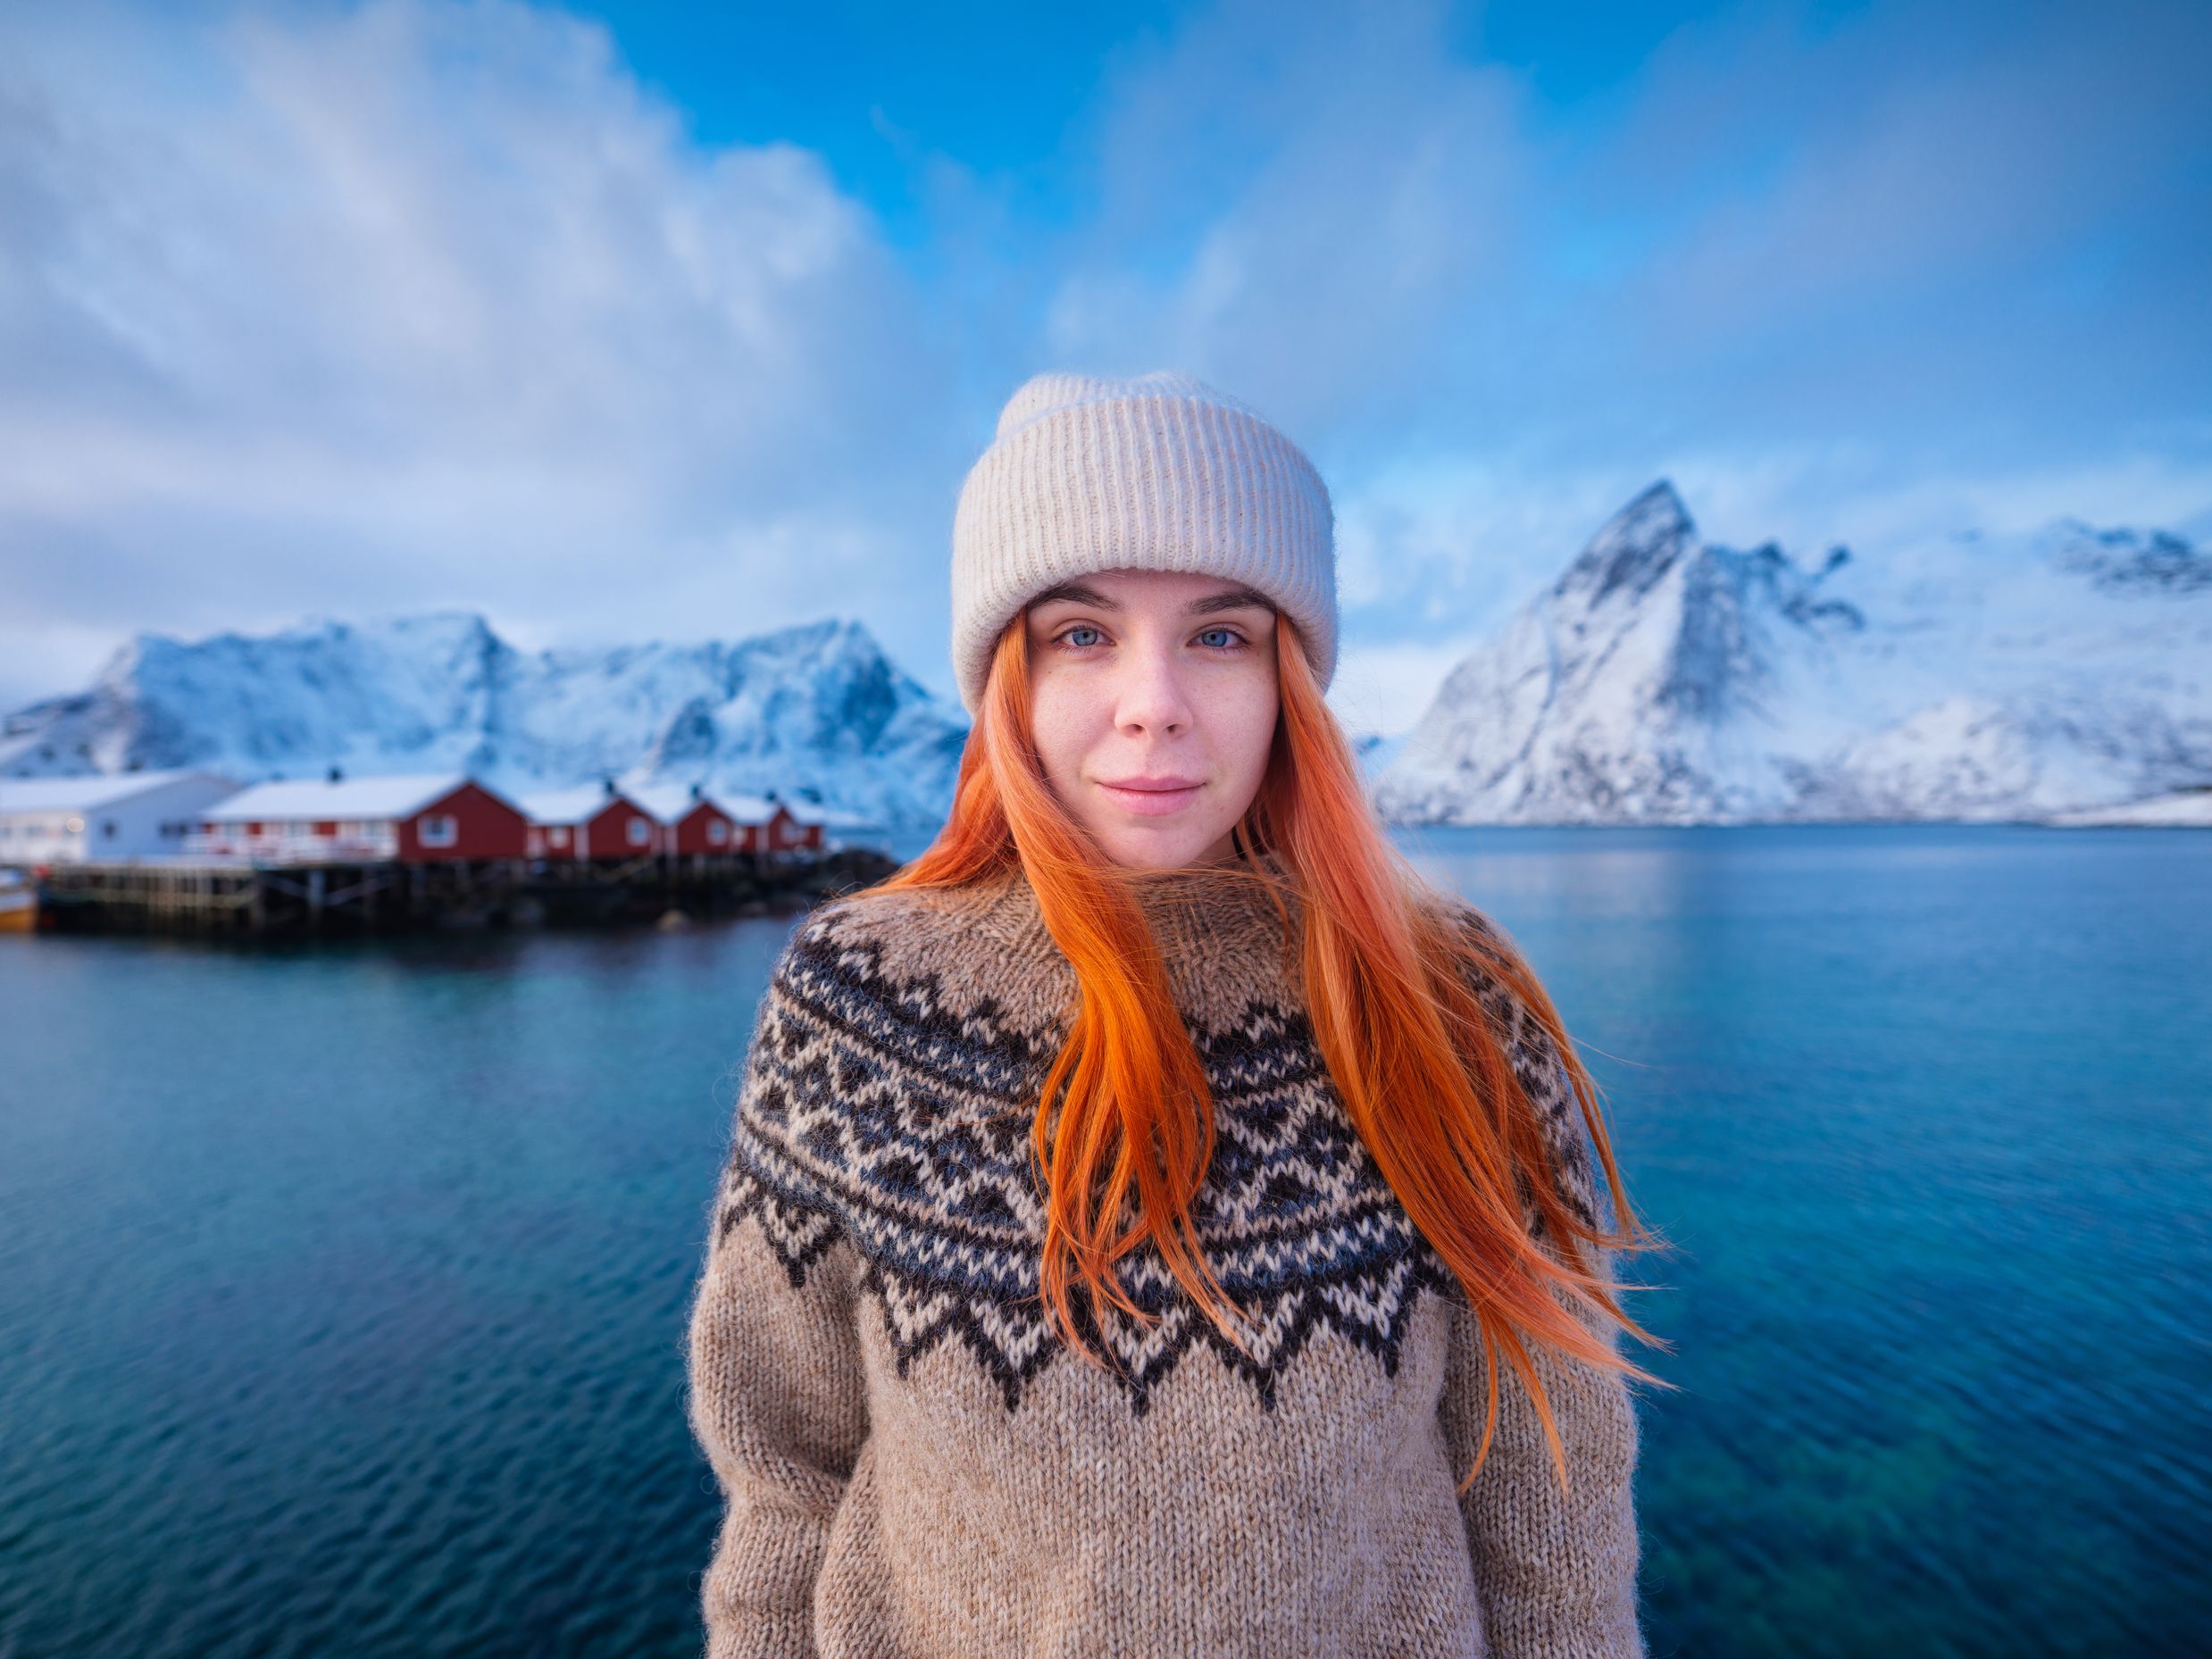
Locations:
(914, 1465)
(1158, 471)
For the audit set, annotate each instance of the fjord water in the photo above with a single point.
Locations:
(342, 1288)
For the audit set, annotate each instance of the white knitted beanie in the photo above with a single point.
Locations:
(1157, 472)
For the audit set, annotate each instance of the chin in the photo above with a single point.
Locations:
(1143, 852)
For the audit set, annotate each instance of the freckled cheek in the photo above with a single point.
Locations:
(1250, 722)
(1059, 733)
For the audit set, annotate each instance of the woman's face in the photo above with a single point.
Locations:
(1153, 700)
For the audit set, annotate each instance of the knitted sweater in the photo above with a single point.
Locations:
(913, 1464)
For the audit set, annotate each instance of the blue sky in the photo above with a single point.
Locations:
(630, 320)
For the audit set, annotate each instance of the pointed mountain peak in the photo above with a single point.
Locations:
(1660, 497)
(124, 659)
(1635, 547)
(451, 623)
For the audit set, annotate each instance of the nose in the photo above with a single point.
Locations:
(1149, 695)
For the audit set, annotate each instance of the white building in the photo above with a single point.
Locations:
(102, 816)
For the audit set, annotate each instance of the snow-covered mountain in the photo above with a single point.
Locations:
(1664, 678)
(815, 713)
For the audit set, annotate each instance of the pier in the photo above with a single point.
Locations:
(235, 899)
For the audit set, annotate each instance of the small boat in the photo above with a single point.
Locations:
(18, 902)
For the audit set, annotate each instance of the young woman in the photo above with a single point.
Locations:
(1130, 1200)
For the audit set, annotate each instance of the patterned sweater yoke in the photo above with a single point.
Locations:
(914, 1465)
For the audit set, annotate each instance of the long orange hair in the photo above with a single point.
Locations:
(1389, 983)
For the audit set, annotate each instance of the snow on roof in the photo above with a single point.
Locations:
(90, 791)
(672, 803)
(831, 817)
(579, 805)
(748, 809)
(814, 812)
(397, 794)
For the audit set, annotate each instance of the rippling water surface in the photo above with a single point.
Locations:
(342, 1288)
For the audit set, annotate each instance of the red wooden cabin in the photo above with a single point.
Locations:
(410, 817)
(595, 821)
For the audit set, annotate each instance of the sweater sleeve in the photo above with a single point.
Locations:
(778, 1399)
(1556, 1574)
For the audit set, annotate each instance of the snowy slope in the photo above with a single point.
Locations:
(2184, 809)
(1664, 678)
(812, 713)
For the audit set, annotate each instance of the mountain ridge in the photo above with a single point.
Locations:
(1663, 678)
(815, 710)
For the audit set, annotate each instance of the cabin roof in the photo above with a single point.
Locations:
(579, 805)
(88, 791)
(397, 794)
(672, 803)
(669, 803)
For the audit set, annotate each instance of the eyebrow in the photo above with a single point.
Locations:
(1229, 599)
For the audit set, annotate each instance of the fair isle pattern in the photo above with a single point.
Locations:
(878, 1108)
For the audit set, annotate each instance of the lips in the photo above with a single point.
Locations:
(1152, 797)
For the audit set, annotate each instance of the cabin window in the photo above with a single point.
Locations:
(717, 831)
(639, 832)
(439, 830)
(559, 838)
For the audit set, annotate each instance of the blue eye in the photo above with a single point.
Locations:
(1080, 628)
(1231, 632)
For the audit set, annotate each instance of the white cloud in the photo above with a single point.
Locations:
(1812, 269)
(1890, 163)
(1386, 689)
(1292, 202)
(335, 307)
(1452, 540)
(311, 307)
